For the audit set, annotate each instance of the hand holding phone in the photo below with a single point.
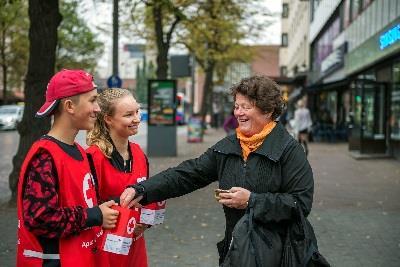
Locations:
(218, 191)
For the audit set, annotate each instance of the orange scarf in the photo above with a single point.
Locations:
(250, 144)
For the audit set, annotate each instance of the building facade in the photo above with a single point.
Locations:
(294, 51)
(354, 77)
(372, 65)
(327, 86)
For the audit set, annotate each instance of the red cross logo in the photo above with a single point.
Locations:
(131, 225)
(88, 190)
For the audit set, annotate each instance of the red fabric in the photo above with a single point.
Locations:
(76, 188)
(63, 84)
(40, 191)
(112, 183)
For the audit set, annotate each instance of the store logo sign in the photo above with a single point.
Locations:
(390, 37)
(334, 60)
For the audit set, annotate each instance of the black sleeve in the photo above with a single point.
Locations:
(94, 217)
(185, 178)
(297, 189)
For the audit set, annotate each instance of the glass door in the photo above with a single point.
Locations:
(355, 116)
(369, 117)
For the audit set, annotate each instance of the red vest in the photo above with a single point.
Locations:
(76, 187)
(112, 183)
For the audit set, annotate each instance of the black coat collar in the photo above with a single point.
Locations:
(272, 147)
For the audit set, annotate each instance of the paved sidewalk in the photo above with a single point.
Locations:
(356, 212)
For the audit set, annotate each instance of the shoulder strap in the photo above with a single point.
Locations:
(93, 171)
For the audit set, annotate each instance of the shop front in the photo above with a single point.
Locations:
(330, 106)
(368, 117)
(374, 74)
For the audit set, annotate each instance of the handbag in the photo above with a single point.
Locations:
(300, 247)
(250, 244)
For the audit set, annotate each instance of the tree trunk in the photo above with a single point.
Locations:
(44, 18)
(206, 103)
(5, 84)
(162, 47)
(4, 64)
(162, 64)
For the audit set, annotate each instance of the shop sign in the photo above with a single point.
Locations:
(334, 60)
(390, 37)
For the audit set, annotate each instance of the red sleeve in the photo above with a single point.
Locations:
(41, 211)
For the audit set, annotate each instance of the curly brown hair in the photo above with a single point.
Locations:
(263, 92)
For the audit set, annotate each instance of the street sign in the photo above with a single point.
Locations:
(114, 82)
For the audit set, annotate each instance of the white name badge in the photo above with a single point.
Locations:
(117, 244)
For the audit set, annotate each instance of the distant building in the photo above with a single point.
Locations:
(294, 51)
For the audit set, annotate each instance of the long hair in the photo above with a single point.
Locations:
(100, 134)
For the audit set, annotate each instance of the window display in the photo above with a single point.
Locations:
(395, 103)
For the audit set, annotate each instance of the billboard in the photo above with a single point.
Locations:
(161, 102)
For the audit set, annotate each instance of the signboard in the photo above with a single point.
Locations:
(161, 102)
(114, 82)
(180, 66)
(389, 37)
(334, 61)
(381, 45)
(195, 130)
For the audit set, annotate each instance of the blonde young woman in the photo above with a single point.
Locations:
(118, 162)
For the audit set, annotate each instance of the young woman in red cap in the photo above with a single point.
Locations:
(58, 216)
(118, 162)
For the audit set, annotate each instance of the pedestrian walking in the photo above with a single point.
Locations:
(58, 215)
(263, 175)
(230, 123)
(303, 123)
(118, 162)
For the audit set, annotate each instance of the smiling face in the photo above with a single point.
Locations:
(251, 119)
(85, 109)
(125, 119)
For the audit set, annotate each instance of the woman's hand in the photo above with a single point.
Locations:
(127, 198)
(238, 198)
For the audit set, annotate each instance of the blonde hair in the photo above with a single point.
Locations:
(100, 135)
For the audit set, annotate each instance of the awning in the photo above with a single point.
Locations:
(295, 94)
(340, 84)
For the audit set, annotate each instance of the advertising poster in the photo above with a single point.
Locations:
(195, 130)
(161, 102)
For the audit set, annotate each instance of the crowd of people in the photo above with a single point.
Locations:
(67, 197)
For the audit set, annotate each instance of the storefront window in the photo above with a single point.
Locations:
(374, 108)
(395, 103)
(332, 106)
(369, 104)
(357, 104)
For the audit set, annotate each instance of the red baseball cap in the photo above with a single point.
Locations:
(63, 84)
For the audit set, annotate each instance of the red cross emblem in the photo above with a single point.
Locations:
(88, 190)
(131, 226)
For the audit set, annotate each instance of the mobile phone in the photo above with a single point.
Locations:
(217, 191)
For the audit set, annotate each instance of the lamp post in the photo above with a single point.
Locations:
(115, 39)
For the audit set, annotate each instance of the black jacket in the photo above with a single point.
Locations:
(276, 173)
